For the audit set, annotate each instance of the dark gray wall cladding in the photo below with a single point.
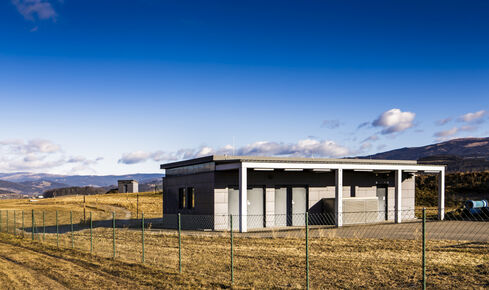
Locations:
(275, 178)
(204, 193)
(322, 184)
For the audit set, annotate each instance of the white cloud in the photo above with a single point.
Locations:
(31, 146)
(447, 133)
(330, 124)
(371, 138)
(468, 128)
(394, 121)
(35, 9)
(305, 148)
(37, 155)
(476, 117)
(134, 157)
(442, 122)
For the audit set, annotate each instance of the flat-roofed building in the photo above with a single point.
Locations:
(128, 186)
(268, 192)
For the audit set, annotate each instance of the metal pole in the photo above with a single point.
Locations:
(424, 248)
(7, 220)
(179, 245)
(232, 252)
(307, 250)
(113, 235)
(142, 233)
(15, 232)
(43, 227)
(33, 224)
(57, 230)
(23, 224)
(0, 221)
(72, 238)
(84, 215)
(91, 234)
(137, 205)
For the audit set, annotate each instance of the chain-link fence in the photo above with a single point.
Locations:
(281, 251)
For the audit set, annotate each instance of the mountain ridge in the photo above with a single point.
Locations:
(461, 154)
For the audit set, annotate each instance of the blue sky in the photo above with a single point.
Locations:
(102, 87)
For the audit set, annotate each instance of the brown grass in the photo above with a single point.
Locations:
(259, 262)
(280, 262)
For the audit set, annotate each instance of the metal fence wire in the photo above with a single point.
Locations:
(281, 251)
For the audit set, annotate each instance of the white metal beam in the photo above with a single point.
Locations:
(338, 202)
(398, 197)
(345, 166)
(243, 198)
(441, 195)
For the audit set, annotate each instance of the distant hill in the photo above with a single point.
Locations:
(25, 183)
(464, 154)
(78, 180)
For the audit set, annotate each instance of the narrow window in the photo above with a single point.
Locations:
(191, 197)
(182, 198)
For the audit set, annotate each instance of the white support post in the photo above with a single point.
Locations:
(441, 195)
(398, 197)
(243, 198)
(338, 204)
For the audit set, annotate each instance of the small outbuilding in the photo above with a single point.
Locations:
(128, 186)
(270, 192)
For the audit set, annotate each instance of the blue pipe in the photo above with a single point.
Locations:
(473, 204)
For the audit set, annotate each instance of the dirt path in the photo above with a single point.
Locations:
(28, 265)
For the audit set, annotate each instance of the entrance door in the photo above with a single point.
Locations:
(290, 206)
(299, 205)
(233, 206)
(256, 208)
(382, 197)
(281, 207)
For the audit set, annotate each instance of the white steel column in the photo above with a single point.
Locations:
(441, 195)
(398, 197)
(243, 198)
(338, 202)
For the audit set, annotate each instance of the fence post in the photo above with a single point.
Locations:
(57, 230)
(113, 235)
(71, 222)
(424, 248)
(232, 252)
(179, 245)
(137, 205)
(91, 235)
(142, 233)
(0, 221)
(23, 228)
(7, 220)
(33, 224)
(43, 227)
(15, 232)
(307, 249)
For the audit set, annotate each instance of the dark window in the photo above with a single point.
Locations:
(191, 197)
(182, 196)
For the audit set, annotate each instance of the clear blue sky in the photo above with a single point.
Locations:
(105, 87)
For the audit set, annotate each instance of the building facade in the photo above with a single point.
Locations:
(270, 192)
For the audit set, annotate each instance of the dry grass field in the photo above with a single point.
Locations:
(259, 262)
